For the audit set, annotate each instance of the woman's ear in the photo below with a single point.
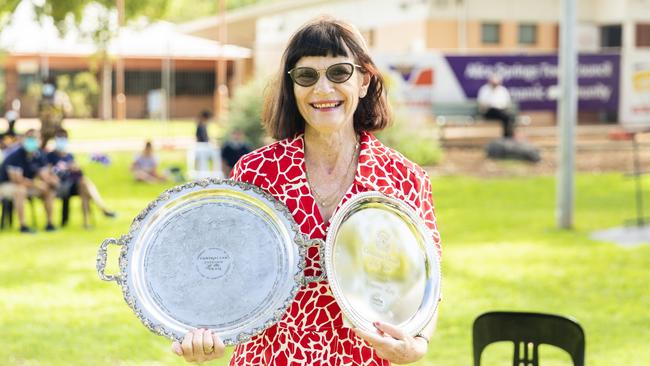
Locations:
(364, 85)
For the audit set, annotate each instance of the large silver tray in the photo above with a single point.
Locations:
(381, 263)
(212, 254)
(227, 256)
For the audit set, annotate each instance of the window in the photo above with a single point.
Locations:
(194, 82)
(528, 34)
(490, 33)
(140, 82)
(611, 36)
(643, 35)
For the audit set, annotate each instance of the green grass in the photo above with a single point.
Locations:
(501, 251)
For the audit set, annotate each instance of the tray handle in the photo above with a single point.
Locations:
(320, 243)
(101, 260)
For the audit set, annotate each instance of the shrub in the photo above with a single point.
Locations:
(246, 112)
(415, 140)
(83, 91)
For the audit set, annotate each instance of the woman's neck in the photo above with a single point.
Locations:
(331, 150)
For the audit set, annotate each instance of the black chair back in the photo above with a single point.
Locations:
(527, 331)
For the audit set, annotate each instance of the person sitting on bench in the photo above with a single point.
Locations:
(494, 102)
(73, 181)
(24, 174)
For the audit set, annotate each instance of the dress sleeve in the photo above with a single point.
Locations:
(426, 209)
(236, 172)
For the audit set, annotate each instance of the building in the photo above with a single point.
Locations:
(168, 74)
(418, 29)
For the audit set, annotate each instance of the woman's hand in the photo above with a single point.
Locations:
(199, 345)
(392, 344)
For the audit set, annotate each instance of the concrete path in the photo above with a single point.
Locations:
(625, 236)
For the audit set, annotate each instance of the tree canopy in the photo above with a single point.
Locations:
(6, 8)
(173, 10)
(60, 10)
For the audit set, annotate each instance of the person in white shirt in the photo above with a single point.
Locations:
(12, 116)
(494, 102)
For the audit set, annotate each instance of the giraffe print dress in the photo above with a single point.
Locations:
(312, 332)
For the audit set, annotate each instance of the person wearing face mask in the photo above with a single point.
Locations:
(327, 99)
(24, 174)
(73, 181)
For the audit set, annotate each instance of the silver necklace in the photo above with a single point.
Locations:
(335, 195)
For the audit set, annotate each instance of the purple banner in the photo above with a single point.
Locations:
(532, 80)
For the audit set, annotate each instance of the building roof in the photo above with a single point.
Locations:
(27, 36)
(162, 39)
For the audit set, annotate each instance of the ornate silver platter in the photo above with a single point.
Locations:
(381, 263)
(212, 254)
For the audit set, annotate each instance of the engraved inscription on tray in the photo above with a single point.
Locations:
(379, 265)
(213, 264)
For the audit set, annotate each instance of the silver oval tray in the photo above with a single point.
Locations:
(214, 254)
(381, 263)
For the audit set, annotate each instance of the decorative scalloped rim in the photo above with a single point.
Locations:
(329, 244)
(125, 242)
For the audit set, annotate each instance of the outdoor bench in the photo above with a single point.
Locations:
(467, 114)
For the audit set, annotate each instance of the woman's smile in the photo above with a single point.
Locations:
(326, 105)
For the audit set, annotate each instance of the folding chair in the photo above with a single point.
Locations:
(527, 331)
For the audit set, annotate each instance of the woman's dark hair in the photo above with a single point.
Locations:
(323, 37)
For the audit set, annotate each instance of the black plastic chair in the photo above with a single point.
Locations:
(7, 213)
(527, 331)
(65, 210)
(6, 219)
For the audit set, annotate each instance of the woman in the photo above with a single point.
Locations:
(328, 99)
(145, 166)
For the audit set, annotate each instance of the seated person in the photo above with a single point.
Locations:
(494, 103)
(233, 150)
(6, 145)
(24, 174)
(72, 179)
(145, 166)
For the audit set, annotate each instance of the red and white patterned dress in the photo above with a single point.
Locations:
(312, 332)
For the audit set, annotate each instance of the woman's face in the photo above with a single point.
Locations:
(328, 106)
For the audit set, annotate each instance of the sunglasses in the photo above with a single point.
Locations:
(308, 76)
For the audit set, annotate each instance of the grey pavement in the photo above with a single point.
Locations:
(625, 236)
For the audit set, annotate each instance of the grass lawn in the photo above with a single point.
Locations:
(501, 251)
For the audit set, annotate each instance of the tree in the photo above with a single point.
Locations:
(66, 13)
(7, 7)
